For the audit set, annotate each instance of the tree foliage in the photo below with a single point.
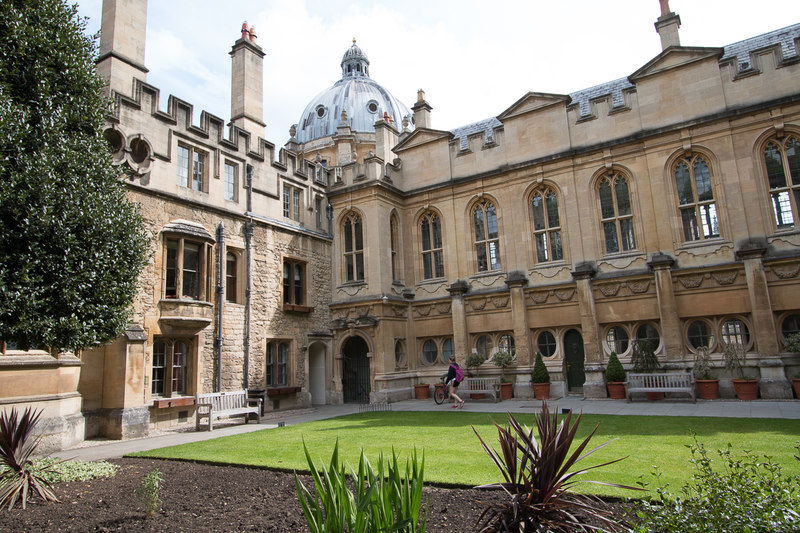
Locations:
(72, 244)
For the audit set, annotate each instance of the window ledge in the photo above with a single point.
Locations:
(178, 401)
(294, 308)
(280, 391)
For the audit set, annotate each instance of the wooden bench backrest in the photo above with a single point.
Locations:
(223, 401)
(683, 380)
(481, 383)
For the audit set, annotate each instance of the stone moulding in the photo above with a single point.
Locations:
(725, 278)
(786, 271)
(639, 286)
(691, 281)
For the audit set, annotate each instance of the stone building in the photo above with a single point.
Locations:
(347, 265)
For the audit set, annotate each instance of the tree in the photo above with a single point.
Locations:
(71, 244)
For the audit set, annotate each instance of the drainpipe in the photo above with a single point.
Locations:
(248, 238)
(220, 300)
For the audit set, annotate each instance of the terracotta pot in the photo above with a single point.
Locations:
(541, 391)
(421, 391)
(654, 395)
(506, 391)
(796, 386)
(616, 390)
(707, 389)
(746, 389)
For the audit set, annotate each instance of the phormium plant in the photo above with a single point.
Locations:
(539, 481)
(20, 478)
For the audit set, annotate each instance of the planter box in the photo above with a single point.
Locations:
(707, 389)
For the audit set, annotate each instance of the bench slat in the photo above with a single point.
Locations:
(217, 405)
(674, 382)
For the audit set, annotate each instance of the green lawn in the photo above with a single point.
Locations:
(453, 454)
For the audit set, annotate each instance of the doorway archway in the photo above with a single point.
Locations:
(317, 374)
(355, 371)
(574, 360)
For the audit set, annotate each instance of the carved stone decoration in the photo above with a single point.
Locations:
(787, 271)
(477, 305)
(443, 308)
(691, 281)
(609, 289)
(399, 311)
(540, 297)
(725, 278)
(565, 295)
(430, 289)
(500, 302)
(488, 281)
(422, 310)
(639, 286)
(352, 290)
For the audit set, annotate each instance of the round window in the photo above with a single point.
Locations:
(372, 106)
(700, 335)
(506, 344)
(399, 354)
(734, 331)
(114, 140)
(649, 333)
(482, 346)
(546, 343)
(321, 111)
(429, 352)
(448, 349)
(791, 325)
(139, 151)
(617, 339)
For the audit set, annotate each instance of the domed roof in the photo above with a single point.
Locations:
(358, 95)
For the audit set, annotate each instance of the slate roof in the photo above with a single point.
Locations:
(739, 51)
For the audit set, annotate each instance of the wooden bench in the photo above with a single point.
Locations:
(674, 382)
(489, 386)
(216, 405)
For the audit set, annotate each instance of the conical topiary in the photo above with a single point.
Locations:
(540, 373)
(615, 373)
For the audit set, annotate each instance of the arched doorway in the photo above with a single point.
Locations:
(574, 359)
(317, 374)
(355, 371)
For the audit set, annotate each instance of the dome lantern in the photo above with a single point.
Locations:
(355, 62)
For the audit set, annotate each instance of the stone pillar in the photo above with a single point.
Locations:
(247, 84)
(772, 382)
(516, 282)
(122, 43)
(671, 338)
(125, 415)
(459, 315)
(595, 385)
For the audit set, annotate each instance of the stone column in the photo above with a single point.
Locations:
(516, 282)
(595, 385)
(671, 338)
(459, 315)
(772, 382)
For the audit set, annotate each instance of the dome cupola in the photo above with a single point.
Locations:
(355, 62)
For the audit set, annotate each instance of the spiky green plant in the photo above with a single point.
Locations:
(615, 372)
(540, 373)
(386, 501)
(539, 479)
(20, 478)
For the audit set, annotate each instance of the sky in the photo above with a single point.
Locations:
(473, 59)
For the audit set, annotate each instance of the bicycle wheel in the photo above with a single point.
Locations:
(440, 395)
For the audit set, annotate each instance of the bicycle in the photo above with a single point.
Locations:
(441, 394)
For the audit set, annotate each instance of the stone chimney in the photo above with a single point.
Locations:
(422, 111)
(247, 83)
(122, 43)
(667, 26)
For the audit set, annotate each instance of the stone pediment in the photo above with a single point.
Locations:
(533, 102)
(676, 56)
(421, 136)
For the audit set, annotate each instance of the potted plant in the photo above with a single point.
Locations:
(792, 344)
(615, 378)
(645, 361)
(540, 378)
(746, 387)
(504, 359)
(474, 360)
(796, 385)
(707, 385)
(421, 391)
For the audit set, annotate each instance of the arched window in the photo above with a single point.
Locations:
(431, 235)
(546, 226)
(616, 214)
(393, 243)
(696, 199)
(783, 171)
(353, 248)
(487, 239)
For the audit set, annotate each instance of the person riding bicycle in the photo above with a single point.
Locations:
(454, 378)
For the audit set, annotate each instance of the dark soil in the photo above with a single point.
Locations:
(205, 498)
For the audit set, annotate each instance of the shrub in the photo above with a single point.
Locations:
(745, 494)
(20, 478)
(615, 373)
(537, 477)
(150, 491)
(474, 360)
(702, 364)
(381, 502)
(504, 360)
(792, 343)
(734, 356)
(540, 373)
(644, 357)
